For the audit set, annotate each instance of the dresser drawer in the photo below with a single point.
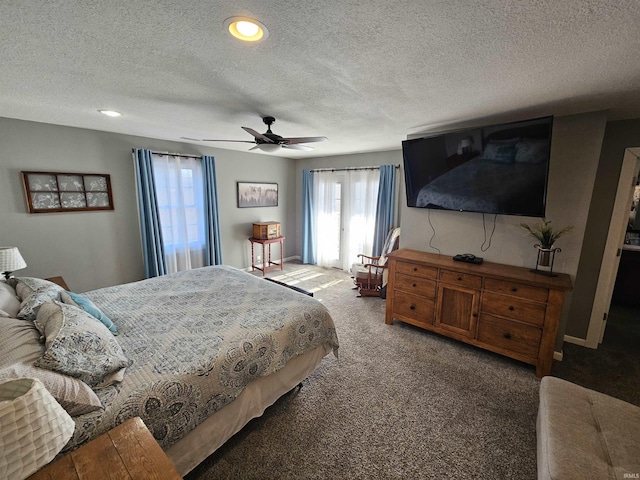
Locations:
(415, 285)
(517, 289)
(413, 307)
(458, 278)
(518, 338)
(416, 270)
(514, 308)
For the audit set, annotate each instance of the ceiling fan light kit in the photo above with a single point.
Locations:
(268, 147)
(246, 29)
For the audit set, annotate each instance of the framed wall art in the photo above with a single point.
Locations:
(67, 192)
(253, 194)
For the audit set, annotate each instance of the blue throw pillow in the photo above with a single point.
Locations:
(90, 307)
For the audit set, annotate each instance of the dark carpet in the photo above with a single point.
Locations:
(400, 403)
(614, 368)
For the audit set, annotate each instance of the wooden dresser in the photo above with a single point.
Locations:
(508, 310)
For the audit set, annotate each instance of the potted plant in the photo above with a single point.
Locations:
(547, 235)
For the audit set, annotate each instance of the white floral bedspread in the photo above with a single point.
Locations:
(197, 338)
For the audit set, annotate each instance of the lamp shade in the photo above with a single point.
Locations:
(11, 260)
(466, 142)
(33, 427)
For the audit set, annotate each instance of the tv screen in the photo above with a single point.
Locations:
(500, 169)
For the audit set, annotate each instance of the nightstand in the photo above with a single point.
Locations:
(58, 281)
(127, 452)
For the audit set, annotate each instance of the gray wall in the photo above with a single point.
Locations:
(96, 249)
(618, 136)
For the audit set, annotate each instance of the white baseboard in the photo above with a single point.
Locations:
(575, 340)
(569, 339)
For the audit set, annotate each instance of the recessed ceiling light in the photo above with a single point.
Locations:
(246, 29)
(110, 113)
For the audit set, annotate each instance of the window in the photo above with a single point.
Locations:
(180, 195)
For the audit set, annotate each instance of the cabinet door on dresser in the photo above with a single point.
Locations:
(458, 302)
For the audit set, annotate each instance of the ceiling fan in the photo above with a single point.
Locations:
(269, 141)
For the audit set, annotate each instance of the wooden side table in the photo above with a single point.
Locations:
(58, 281)
(127, 452)
(267, 264)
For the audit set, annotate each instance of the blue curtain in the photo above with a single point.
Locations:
(212, 218)
(385, 207)
(308, 235)
(152, 245)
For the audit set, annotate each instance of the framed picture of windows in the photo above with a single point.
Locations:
(254, 194)
(66, 192)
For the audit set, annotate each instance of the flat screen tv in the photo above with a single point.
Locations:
(501, 169)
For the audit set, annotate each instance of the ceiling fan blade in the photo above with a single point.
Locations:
(304, 139)
(297, 147)
(215, 140)
(257, 134)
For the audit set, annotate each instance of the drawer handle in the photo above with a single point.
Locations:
(415, 269)
(412, 307)
(459, 279)
(511, 308)
(475, 315)
(514, 289)
(507, 335)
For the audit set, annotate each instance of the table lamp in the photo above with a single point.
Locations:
(465, 145)
(33, 427)
(10, 261)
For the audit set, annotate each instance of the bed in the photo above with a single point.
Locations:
(197, 354)
(509, 175)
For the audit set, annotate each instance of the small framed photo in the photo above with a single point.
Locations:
(47, 192)
(253, 194)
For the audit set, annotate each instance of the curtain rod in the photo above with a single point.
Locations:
(173, 154)
(346, 168)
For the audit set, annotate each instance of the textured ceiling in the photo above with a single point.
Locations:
(365, 73)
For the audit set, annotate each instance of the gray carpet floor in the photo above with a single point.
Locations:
(400, 403)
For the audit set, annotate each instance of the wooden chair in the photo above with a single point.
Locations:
(370, 274)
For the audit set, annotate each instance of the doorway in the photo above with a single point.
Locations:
(344, 215)
(618, 228)
(330, 221)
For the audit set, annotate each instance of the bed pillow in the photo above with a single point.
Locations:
(77, 345)
(20, 348)
(32, 293)
(26, 285)
(532, 150)
(500, 152)
(9, 303)
(88, 306)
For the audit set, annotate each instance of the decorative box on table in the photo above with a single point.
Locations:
(266, 230)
